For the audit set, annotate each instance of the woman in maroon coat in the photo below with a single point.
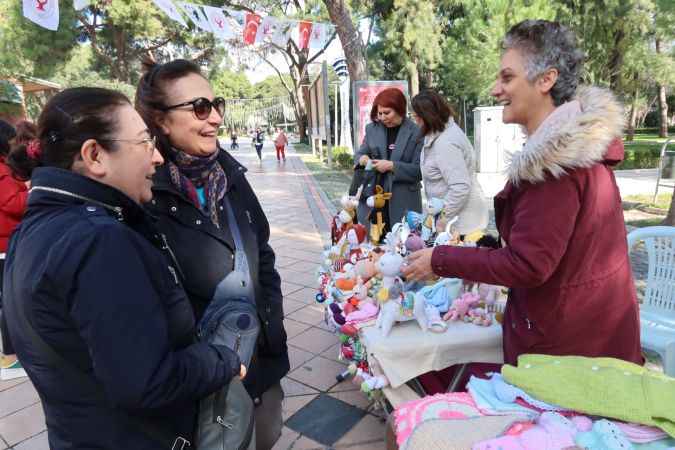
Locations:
(564, 253)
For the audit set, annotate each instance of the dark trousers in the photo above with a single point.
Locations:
(7, 347)
(258, 149)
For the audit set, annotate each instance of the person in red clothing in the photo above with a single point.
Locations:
(564, 252)
(280, 142)
(13, 196)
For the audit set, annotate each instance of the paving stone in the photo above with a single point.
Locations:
(318, 373)
(314, 340)
(291, 405)
(288, 437)
(289, 288)
(354, 398)
(23, 424)
(309, 314)
(298, 356)
(294, 328)
(305, 295)
(38, 442)
(17, 398)
(291, 306)
(293, 388)
(369, 429)
(4, 385)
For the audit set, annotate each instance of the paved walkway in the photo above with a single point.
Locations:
(293, 205)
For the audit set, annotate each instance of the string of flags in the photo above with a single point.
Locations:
(225, 24)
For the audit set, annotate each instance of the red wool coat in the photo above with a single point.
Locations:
(565, 255)
(13, 196)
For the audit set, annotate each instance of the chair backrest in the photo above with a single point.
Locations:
(660, 245)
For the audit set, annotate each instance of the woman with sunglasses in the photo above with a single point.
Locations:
(203, 200)
(97, 317)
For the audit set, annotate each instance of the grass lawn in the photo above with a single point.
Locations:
(645, 222)
(662, 201)
(334, 182)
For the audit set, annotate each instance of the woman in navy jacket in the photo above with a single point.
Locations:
(95, 280)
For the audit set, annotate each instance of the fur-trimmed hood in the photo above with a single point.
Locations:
(579, 142)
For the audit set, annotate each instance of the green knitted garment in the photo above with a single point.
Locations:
(598, 386)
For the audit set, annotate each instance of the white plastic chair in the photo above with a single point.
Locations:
(657, 312)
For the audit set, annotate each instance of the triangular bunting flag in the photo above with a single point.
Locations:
(196, 15)
(170, 10)
(304, 32)
(282, 33)
(251, 28)
(320, 34)
(81, 4)
(42, 12)
(266, 30)
(219, 23)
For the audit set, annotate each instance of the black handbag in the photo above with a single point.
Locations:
(365, 178)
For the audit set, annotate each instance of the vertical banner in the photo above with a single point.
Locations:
(218, 21)
(251, 28)
(170, 10)
(345, 126)
(364, 95)
(42, 12)
(266, 29)
(196, 15)
(282, 33)
(304, 33)
(319, 35)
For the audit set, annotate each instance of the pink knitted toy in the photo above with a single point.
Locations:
(460, 306)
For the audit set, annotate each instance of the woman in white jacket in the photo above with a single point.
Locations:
(447, 163)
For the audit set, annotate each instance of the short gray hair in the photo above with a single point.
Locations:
(548, 45)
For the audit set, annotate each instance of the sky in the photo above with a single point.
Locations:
(333, 52)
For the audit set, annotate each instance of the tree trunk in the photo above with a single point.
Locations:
(616, 60)
(350, 37)
(670, 218)
(414, 75)
(630, 134)
(663, 103)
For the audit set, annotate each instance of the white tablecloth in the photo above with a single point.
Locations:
(409, 352)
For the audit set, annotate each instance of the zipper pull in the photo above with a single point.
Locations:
(222, 422)
(529, 324)
(237, 342)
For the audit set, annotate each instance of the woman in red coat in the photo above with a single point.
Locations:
(564, 253)
(13, 196)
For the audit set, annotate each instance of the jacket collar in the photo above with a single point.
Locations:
(54, 186)
(232, 168)
(580, 142)
(406, 131)
(432, 137)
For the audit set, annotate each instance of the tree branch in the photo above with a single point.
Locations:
(91, 32)
(310, 60)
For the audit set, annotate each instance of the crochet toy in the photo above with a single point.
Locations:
(414, 243)
(434, 208)
(356, 236)
(461, 306)
(442, 293)
(449, 236)
(367, 381)
(395, 306)
(377, 202)
(345, 218)
(478, 316)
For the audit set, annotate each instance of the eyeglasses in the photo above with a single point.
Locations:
(150, 142)
(202, 107)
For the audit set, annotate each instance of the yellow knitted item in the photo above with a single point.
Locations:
(598, 386)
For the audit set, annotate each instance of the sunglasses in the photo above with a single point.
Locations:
(202, 107)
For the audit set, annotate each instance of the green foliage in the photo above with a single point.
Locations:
(230, 84)
(343, 158)
(640, 156)
(271, 87)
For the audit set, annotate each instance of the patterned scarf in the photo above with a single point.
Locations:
(191, 172)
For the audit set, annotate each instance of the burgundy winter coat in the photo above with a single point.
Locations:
(564, 254)
(13, 196)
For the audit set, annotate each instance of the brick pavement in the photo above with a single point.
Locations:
(298, 212)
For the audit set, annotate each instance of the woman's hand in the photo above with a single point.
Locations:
(242, 372)
(383, 165)
(418, 265)
(363, 160)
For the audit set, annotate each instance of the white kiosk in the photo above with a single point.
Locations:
(493, 139)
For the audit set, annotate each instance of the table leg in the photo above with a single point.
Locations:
(458, 377)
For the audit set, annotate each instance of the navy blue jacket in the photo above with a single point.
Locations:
(205, 254)
(100, 290)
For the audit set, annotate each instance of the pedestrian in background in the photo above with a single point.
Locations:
(280, 142)
(259, 139)
(13, 197)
